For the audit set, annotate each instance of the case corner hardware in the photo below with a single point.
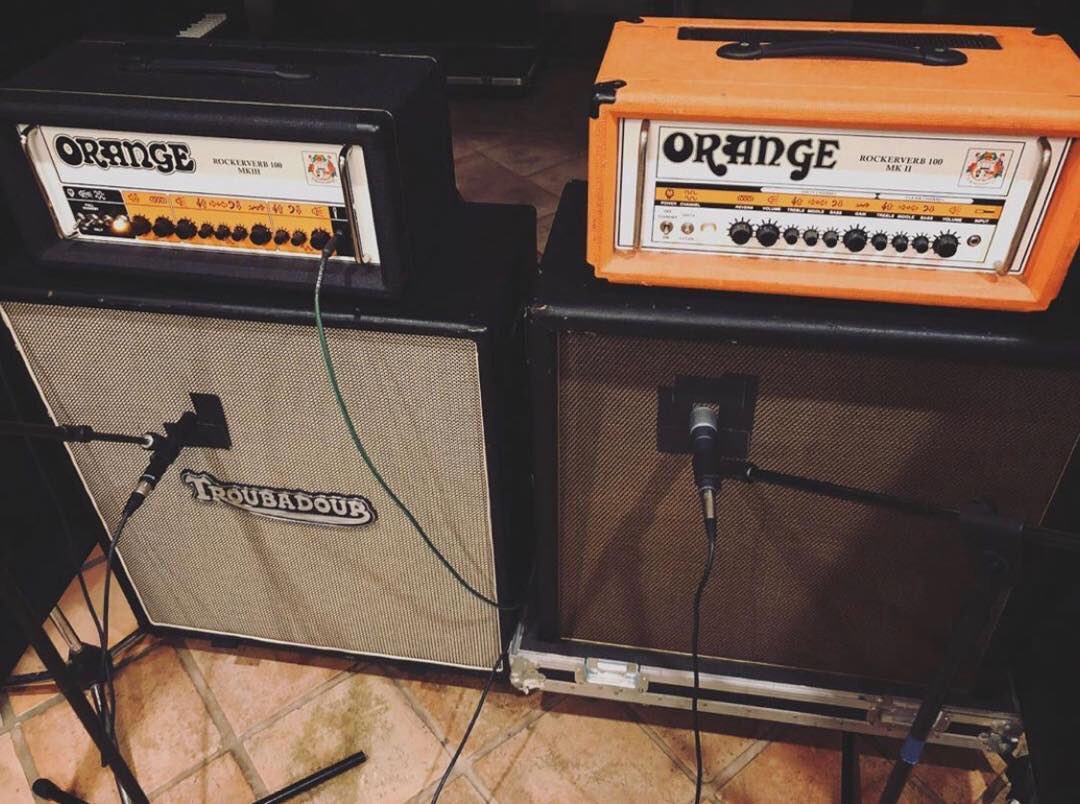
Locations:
(604, 92)
(525, 675)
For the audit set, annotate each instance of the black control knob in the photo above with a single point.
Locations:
(260, 235)
(855, 239)
(140, 225)
(740, 232)
(185, 229)
(830, 238)
(900, 242)
(298, 238)
(222, 232)
(206, 230)
(920, 243)
(945, 244)
(163, 227)
(791, 235)
(810, 237)
(319, 238)
(767, 234)
(281, 237)
(239, 232)
(879, 241)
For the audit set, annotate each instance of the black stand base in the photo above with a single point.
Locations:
(15, 602)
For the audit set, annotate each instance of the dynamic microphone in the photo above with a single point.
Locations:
(205, 427)
(704, 443)
(164, 452)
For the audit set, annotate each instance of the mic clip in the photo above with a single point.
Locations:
(203, 427)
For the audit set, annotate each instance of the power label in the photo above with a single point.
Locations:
(203, 192)
(943, 202)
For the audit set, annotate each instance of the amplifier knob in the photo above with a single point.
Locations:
(140, 225)
(222, 232)
(810, 237)
(239, 232)
(855, 239)
(163, 227)
(791, 235)
(740, 232)
(945, 244)
(206, 230)
(921, 244)
(281, 237)
(767, 233)
(185, 229)
(879, 241)
(260, 235)
(319, 238)
(298, 238)
(900, 242)
(830, 238)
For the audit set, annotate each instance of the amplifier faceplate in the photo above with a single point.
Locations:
(933, 201)
(266, 197)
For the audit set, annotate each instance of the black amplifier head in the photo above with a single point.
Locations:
(230, 160)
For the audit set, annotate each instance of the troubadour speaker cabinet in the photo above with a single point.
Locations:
(945, 406)
(286, 537)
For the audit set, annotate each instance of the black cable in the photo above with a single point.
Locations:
(331, 375)
(472, 722)
(109, 715)
(710, 536)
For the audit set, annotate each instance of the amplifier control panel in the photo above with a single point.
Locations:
(925, 201)
(264, 197)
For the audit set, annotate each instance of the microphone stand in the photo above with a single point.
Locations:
(997, 539)
(206, 427)
(68, 679)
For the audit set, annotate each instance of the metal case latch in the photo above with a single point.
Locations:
(609, 673)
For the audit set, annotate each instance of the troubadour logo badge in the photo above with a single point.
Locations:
(309, 507)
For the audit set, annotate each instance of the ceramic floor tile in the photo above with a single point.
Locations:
(554, 178)
(583, 751)
(723, 739)
(532, 152)
(783, 768)
(874, 770)
(121, 623)
(450, 698)
(468, 141)
(362, 713)
(481, 179)
(251, 684)
(163, 726)
(14, 788)
(955, 783)
(218, 781)
(954, 774)
(457, 791)
(543, 230)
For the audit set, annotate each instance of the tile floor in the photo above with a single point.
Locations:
(202, 724)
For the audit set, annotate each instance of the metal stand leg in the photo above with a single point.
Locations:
(993, 581)
(850, 783)
(76, 652)
(13, 599)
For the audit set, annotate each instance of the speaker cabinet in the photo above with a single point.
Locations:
(944, 406)
(286, 537)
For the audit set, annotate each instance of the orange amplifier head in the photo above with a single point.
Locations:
(906, 163)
